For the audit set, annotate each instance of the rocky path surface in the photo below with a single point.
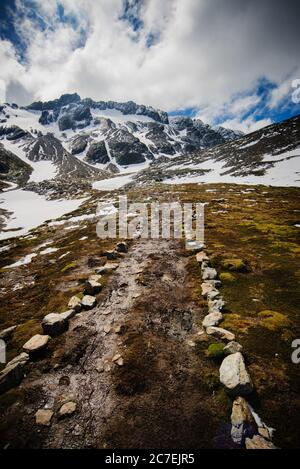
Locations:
(130, 366)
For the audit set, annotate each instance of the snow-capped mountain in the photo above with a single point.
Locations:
(73, 138)
(269, 156)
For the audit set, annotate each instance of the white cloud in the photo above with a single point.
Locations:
(246, 125)
(206, 52)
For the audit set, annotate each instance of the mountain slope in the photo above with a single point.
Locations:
(268, 156)
(131, 134)
(12, 168)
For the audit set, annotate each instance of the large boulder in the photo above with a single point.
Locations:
(13, 373)
(234, 375)
(243, 424)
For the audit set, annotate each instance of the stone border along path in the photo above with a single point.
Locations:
(54, 324)
(247, 429)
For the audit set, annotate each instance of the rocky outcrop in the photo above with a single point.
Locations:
(97, 153)
(127, 149)
(13, 132)
(79, 144)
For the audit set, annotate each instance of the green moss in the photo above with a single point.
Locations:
(234, 265)
(236, 323)
(227, 277)
(215, 350)
(273, 320)
(72, 265)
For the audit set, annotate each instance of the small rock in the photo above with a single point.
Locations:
(68, 314)
(191, 343)
(92, 287)
(116, 357)
(43, 417)
(258, 442)
(264, 432)
(120, 362)
(194, 245)
(36, 343)
(242, 422)
(75, 304)
(212, 319)
(5, 334)
(201, 257)
(111, 255)
(220, 333)
(216, 305)
(67, 409)
(117, 328)
(108, 267)
(206, 288)
(107, 328)
(88, 302)
(55, 324)
(213, 295)
(232, 347)
(209, 273)
(122, 247)
(95, 277)
(234, 375)
(99, 366)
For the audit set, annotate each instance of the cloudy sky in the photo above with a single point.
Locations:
(229, 62)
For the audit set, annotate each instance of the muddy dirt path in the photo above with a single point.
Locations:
(131, 365)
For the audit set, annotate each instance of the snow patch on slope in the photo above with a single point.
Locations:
(31, 210)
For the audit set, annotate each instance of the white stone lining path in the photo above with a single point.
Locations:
(247, 429)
